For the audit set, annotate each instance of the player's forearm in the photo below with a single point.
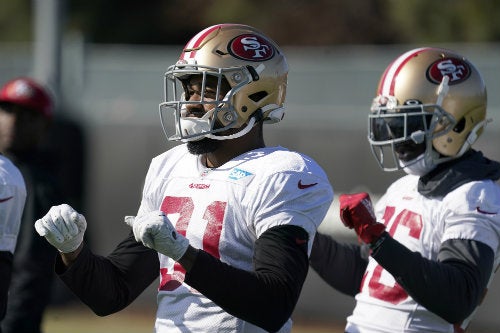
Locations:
(109, 284)
(341, 265)
(265, 297)
(188, 259)
(450, 288)
(92, 280)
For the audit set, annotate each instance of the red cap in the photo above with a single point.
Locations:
(27, 93)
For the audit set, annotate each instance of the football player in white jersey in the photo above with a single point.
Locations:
(434, 236)
(226, 222)
(12, 200)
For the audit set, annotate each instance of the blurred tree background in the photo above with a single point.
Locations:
(292, 22)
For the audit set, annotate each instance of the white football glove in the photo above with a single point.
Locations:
(63, 227)
(155, 231)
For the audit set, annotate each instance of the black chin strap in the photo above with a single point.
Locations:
(258, 115)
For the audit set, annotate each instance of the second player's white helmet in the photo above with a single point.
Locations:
(429, 96)
(253, 66)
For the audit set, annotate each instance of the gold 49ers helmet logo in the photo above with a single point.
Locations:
(251, 48)
(457, 70)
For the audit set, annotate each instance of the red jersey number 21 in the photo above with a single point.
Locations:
(184, 206)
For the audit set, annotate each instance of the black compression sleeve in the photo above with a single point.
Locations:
(340, 265)
(450, 287)
(109, 284)
(266, 296)
(5, 277)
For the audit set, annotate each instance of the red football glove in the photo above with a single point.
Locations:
(356, 212)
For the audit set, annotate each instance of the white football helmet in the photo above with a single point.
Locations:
(430, 98)
(239, 55)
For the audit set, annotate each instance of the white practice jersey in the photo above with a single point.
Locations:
(223, 211)
(472, 211)
(12, 199)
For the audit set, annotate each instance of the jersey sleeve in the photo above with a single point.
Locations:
(472, 212)
(147, 204)
(295, 198)
(12, 200)
(11, 209)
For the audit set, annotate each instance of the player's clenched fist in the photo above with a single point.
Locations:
(63, 227)
(356, 212)
(155, 231)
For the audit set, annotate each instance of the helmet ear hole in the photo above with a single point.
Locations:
(258, 96)
(460, 126)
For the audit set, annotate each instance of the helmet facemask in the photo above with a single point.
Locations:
(221, 116)
(400, 135)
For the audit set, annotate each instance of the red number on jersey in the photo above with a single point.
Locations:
(184, 206)
(394, 294)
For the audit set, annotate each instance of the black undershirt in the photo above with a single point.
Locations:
(5, 277)
(270, 292)
(109, 284)
(267, 295)
(341, 265)
(450, 287)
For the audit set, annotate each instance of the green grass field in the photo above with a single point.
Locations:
(135, 319)
(79, 319)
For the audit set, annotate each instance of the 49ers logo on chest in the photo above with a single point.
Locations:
(456, 69)
(251, 48)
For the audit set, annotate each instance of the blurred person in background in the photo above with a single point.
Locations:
(26, 114)
(12, 199)
(225, 221)
(431, 245)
